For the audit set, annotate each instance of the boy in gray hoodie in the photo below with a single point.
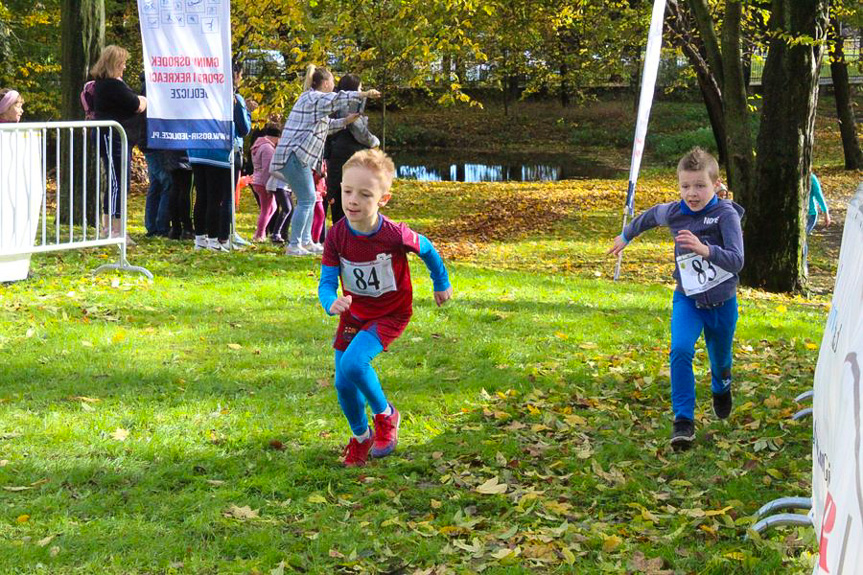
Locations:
(708, 248)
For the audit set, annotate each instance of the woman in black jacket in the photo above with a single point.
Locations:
(342, 145)
(114, 100)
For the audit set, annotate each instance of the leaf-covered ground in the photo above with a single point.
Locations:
(189, 424)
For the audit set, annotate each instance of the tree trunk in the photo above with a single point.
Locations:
(384, 123)
(564, 86)
(843, 92)
(740, 160)
(773, 229)
(82, 39)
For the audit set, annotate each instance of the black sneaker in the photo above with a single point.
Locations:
(722, 404)
(683, 434)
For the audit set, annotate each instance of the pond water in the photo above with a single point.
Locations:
(455, 167)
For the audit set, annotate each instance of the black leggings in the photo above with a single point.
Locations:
(210, 185)
(181, 199)
(283, 215)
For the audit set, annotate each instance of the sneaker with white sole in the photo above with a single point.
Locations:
(215, 245)
(297, 251)
(314, 248)
(200, 242)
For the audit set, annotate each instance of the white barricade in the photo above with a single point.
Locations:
(837, 451)
(26, 198)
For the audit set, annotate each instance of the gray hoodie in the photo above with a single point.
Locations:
(717, 226)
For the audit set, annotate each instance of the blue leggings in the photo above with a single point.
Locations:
(687, 323)
(356, 381)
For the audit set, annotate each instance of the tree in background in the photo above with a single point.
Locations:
(842, 88)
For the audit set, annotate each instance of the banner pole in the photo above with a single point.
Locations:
(645, 101)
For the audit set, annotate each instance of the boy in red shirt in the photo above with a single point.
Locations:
(368, 252)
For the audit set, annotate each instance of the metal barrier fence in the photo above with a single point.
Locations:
(79, 150)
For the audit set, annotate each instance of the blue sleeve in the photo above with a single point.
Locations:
(328, 286)
(434, 263)
(654, 217)
(242, 118)
(816, 193)
(730, 256)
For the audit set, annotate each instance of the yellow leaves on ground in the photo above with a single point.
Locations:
(492, 487)
(120, 434)
(316, 498)
(611, 543)
(235, 346)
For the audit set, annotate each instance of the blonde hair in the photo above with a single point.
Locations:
(375, 161)
(315, 77)
(110, 63)
(696, 160)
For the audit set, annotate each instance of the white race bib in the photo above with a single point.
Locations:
(697, 275)
(373, 278)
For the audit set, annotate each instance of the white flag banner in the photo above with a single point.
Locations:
(837, 448)
(21, 191)
(187, 62)
(645, 100)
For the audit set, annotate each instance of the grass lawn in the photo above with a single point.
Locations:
(189, 424)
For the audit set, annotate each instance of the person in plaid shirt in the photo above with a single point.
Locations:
(301, 149)
(369, 253)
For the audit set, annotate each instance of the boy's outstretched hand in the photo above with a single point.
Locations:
(341, 305)
(617, 247)
(442, 296)
(689, 241)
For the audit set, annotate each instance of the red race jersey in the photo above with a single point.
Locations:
(374, 269)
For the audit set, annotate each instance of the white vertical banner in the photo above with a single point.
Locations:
(22, 189)
(187, 62)
(837, 446)
(645, 102)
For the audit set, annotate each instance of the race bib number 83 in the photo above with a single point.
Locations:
(697, 275)
(373, 278)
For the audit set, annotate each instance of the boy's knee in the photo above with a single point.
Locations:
(681, 352)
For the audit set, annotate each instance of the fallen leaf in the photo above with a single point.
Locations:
(235, 346)
(492, 487)
(241, 513)
(611, 543)
(120, 434)
(16, 488)
(277, 445)
(279, 570)
(316, 498)
(23, 518)
(54, 551)
(45, 541)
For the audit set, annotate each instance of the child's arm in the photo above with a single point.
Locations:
(818, 194)
(439, 275)
(729, 257)
(654, 217)
(328, 291)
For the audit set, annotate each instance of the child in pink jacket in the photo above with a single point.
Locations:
(262, 155)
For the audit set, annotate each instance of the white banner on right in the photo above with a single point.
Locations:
(837, 448)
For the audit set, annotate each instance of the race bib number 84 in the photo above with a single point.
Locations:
(697, 275)
(373, 278)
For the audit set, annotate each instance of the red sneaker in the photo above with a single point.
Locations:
(386, 433)
(356, 453)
